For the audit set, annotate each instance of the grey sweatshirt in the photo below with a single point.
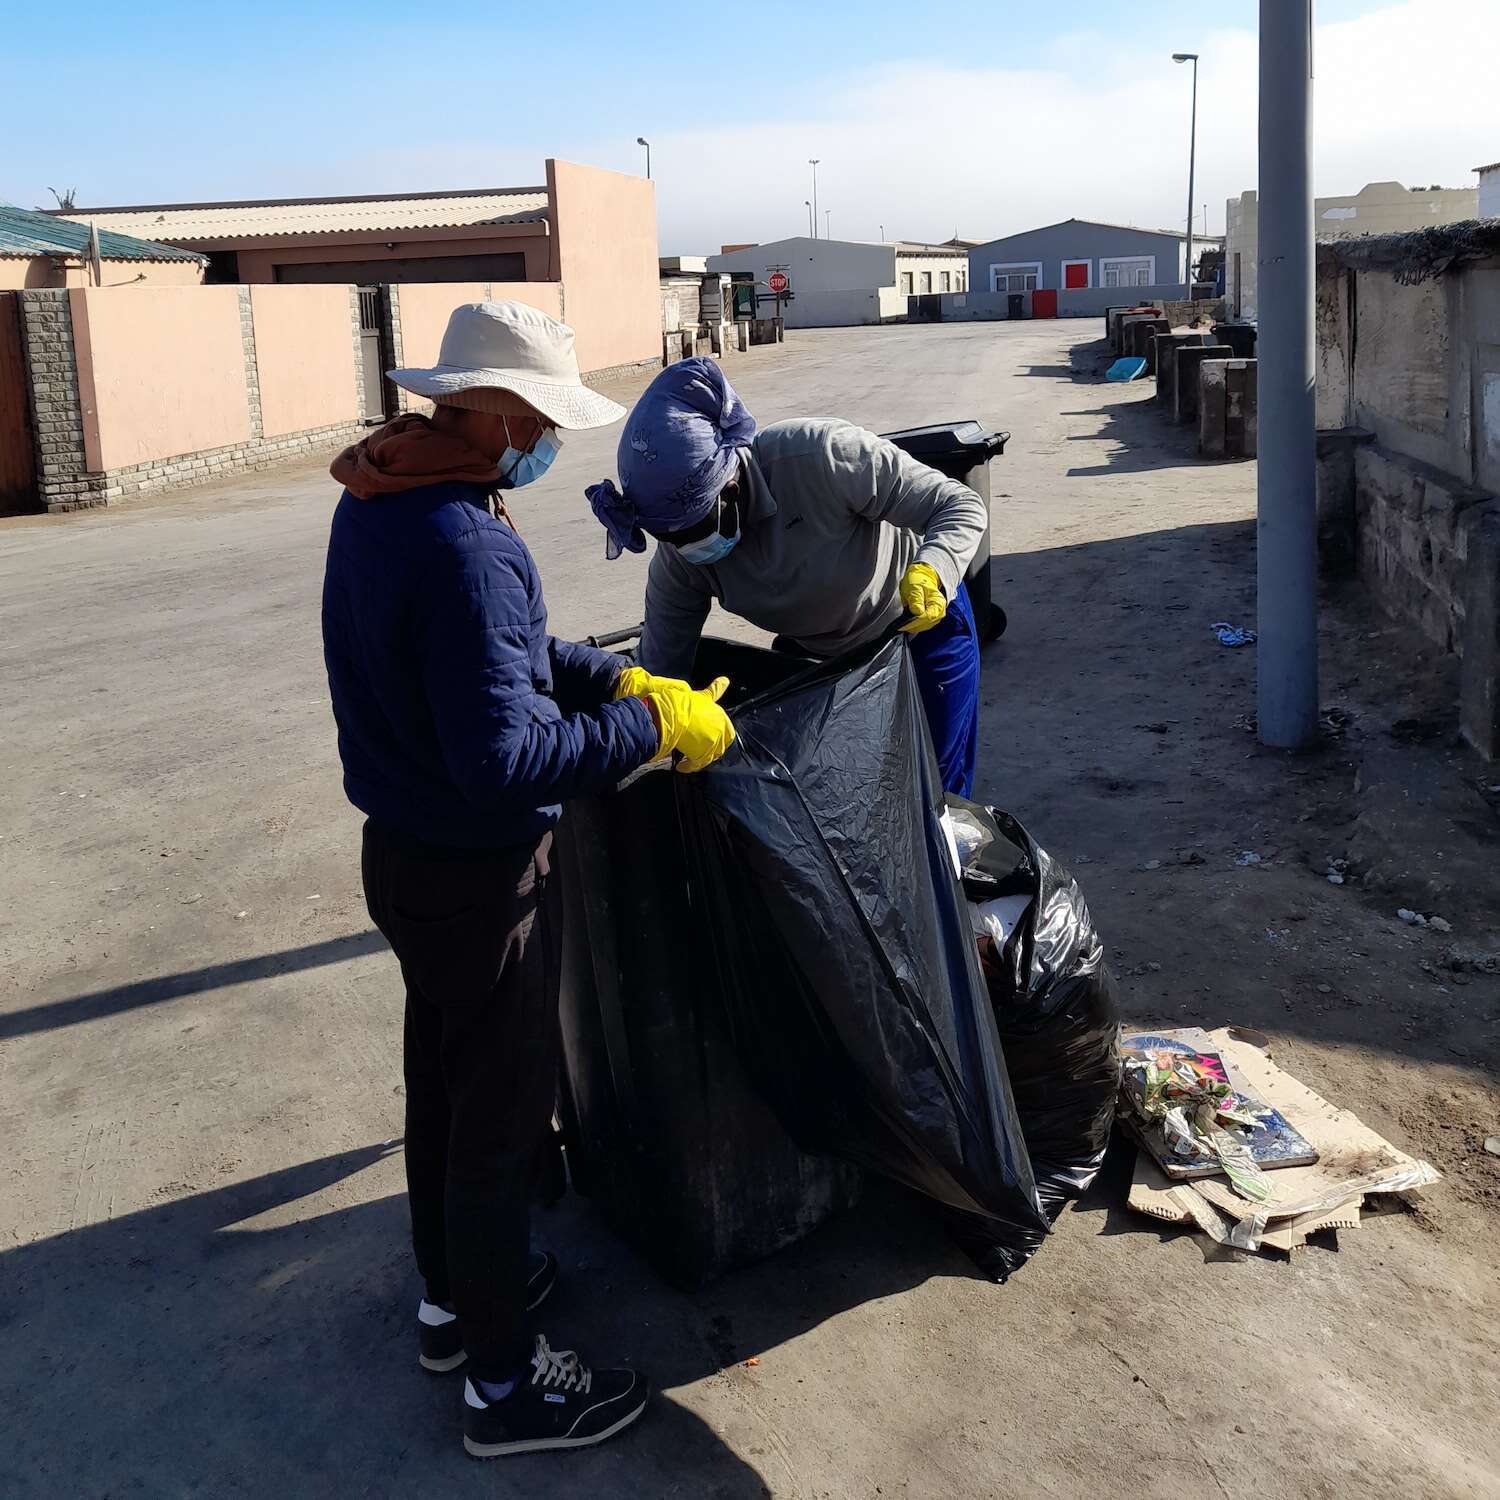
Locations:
(831, 516)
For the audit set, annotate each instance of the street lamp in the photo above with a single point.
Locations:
(813, 161)
(827, 214)
(812, 229)
(1192, 57)
(641, 140)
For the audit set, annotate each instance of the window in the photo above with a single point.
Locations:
(963, 282)
(1135, 270)
(1017, 278)
(906, 282)
(945, 282)
(926, 282)
(1077, 275)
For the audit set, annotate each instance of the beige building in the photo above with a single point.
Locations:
(38, 250)
(1378, 208)
(922, 270)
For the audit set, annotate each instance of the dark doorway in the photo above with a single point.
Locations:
(374, 350)
(17, 442)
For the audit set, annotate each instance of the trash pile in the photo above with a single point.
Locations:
(1236, 1147)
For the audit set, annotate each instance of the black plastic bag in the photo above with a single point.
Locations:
(1058, 1017)
(852, 980)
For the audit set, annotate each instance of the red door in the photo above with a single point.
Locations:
(1044, 303)
(1075, 276)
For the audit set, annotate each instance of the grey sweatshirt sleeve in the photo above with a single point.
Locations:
(677, 603)
(885, 484)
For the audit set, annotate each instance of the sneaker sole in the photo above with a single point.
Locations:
(443, 1366)
(544, 1445)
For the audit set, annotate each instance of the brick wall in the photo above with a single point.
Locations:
(64, 480)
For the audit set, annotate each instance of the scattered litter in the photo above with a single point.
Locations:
(1191, 857)
(1248, 722)
(752, 1362)
(1411, 918)
(1440, 924)
(1334, 721)
(1132, 367)
(1232, 635)
(1152, 864)
(315, 897)
(1334, 878)
(1247, 857)
(196, 896)
(240, 916)
(1328, 1194)
(1492, 1144)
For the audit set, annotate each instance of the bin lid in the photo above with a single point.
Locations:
(966, 437)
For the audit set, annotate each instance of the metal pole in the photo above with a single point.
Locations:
(1287, 520)
(1192, 167)
(641, 140)
(827, 215)
(811, 231)
(813, 161)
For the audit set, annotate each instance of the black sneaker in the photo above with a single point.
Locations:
(563, 1405)
(441, 1340)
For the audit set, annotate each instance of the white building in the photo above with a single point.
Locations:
(1377, 208)
(1489, 190)
(835, 283)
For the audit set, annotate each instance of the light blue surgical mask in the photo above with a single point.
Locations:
(517, 468)
(715, 547)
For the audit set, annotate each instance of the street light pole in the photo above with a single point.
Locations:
(827, 215)
(812, 229)
(1191, 57)
(813, 161)
(641, 140)
(1286, 532)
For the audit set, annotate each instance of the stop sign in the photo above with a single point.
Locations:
(777, 282)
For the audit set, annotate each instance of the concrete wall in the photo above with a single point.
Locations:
(844, 309)
(1078, 239)
(17, 272)
(955, 267)
(1091, 303)
(302, 345)
(1378, 208)
(424, 309)
(815, 265)
(160, 372)
(605, 255)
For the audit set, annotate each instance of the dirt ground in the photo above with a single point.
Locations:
(204, 1282)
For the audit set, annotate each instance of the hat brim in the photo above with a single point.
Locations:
(567, 405)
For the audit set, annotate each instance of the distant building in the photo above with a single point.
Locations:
(38, 250)
(841, 282)
(1489, 190)
(1092, 262)
(1377, 208)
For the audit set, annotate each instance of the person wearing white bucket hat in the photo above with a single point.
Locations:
(462, 726)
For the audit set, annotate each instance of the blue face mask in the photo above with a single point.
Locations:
(715, 547)
(517, 468)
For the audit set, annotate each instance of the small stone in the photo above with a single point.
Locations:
(240, 916)
(1325, 989)
(1154, 968)
(1410, 917)
(1492, 1144)
(1440, 924)
(1247, 857)
(1152, 864)
(1334, 878)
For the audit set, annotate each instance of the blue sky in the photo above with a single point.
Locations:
(980, 117)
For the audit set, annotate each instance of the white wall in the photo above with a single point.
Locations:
(955, 265)
(815, 265)
(844, 309)
(1489, 193)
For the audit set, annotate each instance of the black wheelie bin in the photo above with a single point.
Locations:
(962, 451)
(663, 1130)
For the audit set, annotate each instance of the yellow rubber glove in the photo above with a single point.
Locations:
(636, 682)
(691, 722)
(923, 597)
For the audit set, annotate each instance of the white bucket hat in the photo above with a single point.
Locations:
(511, 347)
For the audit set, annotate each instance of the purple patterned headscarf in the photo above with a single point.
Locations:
(680, 447)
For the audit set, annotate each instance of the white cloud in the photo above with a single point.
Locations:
(1099, 131)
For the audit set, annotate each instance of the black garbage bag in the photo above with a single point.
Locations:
(1058, 1018)
(856, 1004)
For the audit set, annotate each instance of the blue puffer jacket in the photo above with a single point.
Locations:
(462, 723)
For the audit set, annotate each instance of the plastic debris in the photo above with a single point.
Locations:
(1232, 635)
(1247, 857)
(1132, 367)
(1334, 878)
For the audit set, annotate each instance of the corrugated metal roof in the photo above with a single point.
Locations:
(184, 223)
(26, 233)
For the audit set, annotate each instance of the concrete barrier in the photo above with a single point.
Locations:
(1164, 349)
(1186, 368)
(1227, 423)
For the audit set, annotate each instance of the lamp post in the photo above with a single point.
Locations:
(641, 140)
(812, 229)
(1286, 524)
(1192, 57)
(813, 161)
(827, 215)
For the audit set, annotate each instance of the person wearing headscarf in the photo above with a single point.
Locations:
(813, 529)
(462, 726)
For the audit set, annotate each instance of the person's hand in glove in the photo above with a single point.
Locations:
(636, 682)
(690, 722)
(923, 596)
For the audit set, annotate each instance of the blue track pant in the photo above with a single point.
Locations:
(946, 659)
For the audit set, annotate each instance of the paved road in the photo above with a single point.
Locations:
(203, 1282)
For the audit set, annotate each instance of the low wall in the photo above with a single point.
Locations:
(424, 309)
(302, 357)
(1090, 302)
(846, 309)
